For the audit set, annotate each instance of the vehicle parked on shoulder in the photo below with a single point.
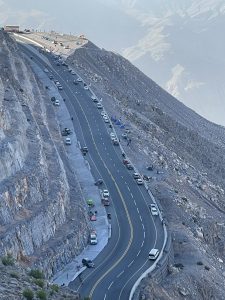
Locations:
(139, 181)
(98, 182)
(105, 193)
(115, 142)
(99, 105)
(88, 263)
(79, 79)
(73, 73)
(136, 176)
(68, 141)
(59, 87)
(66, 131)
(56, 103)
(93, 238)
(129, 166)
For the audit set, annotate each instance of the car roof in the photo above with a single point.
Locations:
(154, 251)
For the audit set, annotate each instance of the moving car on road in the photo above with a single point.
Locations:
(154, 210)
(153, 254)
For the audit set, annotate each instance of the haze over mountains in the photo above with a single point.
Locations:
(178, 44)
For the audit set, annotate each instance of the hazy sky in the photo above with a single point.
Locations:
(178, 43)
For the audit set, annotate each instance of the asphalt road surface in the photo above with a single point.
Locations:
(134, 230)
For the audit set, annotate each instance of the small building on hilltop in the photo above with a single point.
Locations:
(12, 28)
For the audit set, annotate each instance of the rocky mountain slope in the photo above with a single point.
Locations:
(187, 154)
(42, 221)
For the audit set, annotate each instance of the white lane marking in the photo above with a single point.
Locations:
(142, 244)
(120, 274)
(138, 211)
(110, 285)
(131, 195)
(141, 219)
(144, 234)
(135, 203)
(128, 188)
(104, 297)
(130, 263)
(138, 252)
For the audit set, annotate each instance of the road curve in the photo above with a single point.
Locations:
(134, 230)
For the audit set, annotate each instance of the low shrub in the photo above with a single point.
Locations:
(41, 295)
(28, 294)
(55, 288)
(39, 282)
(36, 274)
(14, 275)
(8, 260)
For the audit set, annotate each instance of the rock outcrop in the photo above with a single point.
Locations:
(42, 212)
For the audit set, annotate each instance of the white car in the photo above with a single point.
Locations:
(139, 181)
(136, 176)
(79, 79)
(106, 120)
(68, 141)
(154, 210)
(56, 103)
(93, 238)
(46, 70)
(86, 87)
(59, 87)
(103, 113)
(105, 193)
(153, 254)
(99, 105)
(112, 135)
(73, 73)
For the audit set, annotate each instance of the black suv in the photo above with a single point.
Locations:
(88, 263)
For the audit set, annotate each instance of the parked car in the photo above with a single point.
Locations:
(68, 141)
(115, 142)
(79, 79)
(139, 181)
(126, 161)
(51, 77)
(93, 238)
(99, 105)
(105, 201)
(154, 210)
(56, 103)
(60, 87)
(129, 167)
(66, 131)
(112, 135)
(136, 175)
(88, 263)
(153, 254)
(75, 82)
(98, 182)
(105, 193)
(84, 150)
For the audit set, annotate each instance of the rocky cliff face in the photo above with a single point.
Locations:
(186, 153)
(40, 200)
